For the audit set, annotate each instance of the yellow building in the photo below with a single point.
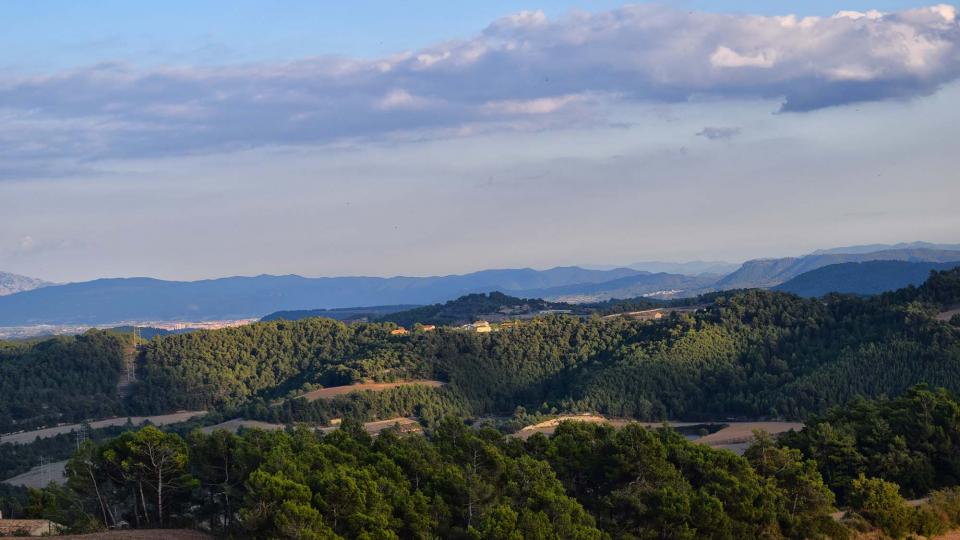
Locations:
(482, 327)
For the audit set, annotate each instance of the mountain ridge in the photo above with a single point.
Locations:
(15, 283)
(864, 278)
(770, 272)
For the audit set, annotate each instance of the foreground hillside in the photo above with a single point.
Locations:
(585, 481)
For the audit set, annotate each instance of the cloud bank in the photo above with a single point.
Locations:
(523, 71)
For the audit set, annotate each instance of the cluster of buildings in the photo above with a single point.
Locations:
(401, 331)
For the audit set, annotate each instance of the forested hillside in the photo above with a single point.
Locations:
(586, 481)
(748, 354)
(63, 379)
(751, 354)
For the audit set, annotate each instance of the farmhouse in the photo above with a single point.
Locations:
(398, 331)
(28, 527)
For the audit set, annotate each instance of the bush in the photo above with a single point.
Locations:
(880, 503)
(946, 503)
(928, 522)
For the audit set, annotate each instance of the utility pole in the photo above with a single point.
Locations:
(81, 435)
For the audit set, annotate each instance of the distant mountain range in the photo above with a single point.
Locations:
(106, 301)
(691, 268)
(14, 283)
(118, 301)
(872, 248)
(772, 272)
(866, 278)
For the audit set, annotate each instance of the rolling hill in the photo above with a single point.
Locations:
(872, 277)
(106, 301)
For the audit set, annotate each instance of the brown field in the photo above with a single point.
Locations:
(163, 534)
(234, 426)
(158, 420)
(334, 391)
(947, 315)
(732, 437)
(37, 478)
(407, 425)
(742, 432)
(549, 426)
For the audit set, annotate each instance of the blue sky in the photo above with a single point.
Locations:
(40, 35)
(199, 139)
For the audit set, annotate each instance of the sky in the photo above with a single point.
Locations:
(188, 140)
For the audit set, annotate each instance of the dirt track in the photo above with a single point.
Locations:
(334, 391)
(158, 420)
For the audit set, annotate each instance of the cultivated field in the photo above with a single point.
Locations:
(742, 432)
(157, 420)
(407, 425)
(234, 426)
(39, 477)
(334, 391)
(947, 315)
(549, 426)
(735, 437)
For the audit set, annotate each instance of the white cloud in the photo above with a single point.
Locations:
(522, 69)
(724, 57)
(545, 105)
